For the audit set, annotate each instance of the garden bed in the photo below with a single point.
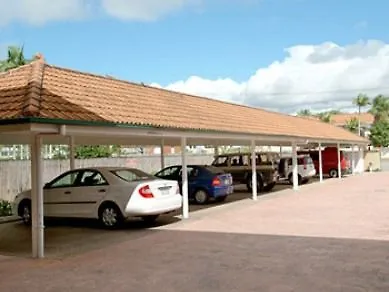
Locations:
(5, 208)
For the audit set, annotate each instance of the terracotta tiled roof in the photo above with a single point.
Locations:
(342, 119)
(45, 91)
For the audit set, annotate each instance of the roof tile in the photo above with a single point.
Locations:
(53, 92)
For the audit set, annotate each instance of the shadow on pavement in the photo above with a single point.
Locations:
(207, 261)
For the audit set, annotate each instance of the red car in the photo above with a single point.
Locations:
(329, 160)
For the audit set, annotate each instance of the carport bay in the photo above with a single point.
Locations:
(43, 104)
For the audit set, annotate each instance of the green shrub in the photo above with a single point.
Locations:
(5, 208)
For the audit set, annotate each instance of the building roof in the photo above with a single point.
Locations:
(342, 119)
(44, 91)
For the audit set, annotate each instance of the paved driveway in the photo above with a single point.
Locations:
(327, 237)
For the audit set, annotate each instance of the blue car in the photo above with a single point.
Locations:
(205, 182)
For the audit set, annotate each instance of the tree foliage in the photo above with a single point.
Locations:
(380, 108)
(352, 125)
(362, 100)
(304, 113)
(379, 134)
(99, 151)
(15, 58)
(325, 117)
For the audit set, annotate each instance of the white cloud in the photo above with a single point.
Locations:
(38, 12)
(318, 77)
(144, 10)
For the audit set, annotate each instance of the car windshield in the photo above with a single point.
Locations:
(130, 175)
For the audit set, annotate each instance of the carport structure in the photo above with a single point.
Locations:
(43, 104)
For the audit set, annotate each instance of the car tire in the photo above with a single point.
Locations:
(150, 219)
(259, 184)
(290, 179)
(24, 211)
(110, 216)
(269, 187)
(201, 197)
(221, 199)
(333, 173)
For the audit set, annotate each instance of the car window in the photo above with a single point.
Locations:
(130, 175)
(192, 171)
(314, 155)
(240, 160)
(66, 180)
(92, 178)
(220, 161)
(169, 171)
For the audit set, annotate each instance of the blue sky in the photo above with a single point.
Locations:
(213, 39)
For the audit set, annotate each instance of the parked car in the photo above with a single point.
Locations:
(305, 169)
(329, 161)
(205, 182)
(239, 165)
(110, 194)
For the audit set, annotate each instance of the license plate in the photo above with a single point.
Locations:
(164, 192)
(227, 182)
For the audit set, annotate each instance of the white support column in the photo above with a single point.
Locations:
(361, 160)
(162, 154)
(254, 184)
(294, 166)
(72, 153)
(320, 164)
(185, 191)
(352, 160)
(216, 151)
(339, 164)
(37, 197)
(22, 152)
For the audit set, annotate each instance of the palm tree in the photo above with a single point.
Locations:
(352, 125)
(380, 108)
(362, 100)
(15, 58)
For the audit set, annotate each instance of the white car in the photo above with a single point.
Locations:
(305, 168)
(110, 194)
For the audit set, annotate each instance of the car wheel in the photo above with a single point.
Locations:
(150, 219)
(220, 199)
(269, 187)
(201, 197)
(110, 216)
(24, 211)
(305, 181)
(250, 184)
(333, 173)
(290, 179)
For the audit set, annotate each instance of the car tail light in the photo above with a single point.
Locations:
(216, 182)
(146, 192)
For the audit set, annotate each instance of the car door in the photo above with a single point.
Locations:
(58, 194)
(87, 195)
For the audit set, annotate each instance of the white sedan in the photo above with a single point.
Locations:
(110, 194)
